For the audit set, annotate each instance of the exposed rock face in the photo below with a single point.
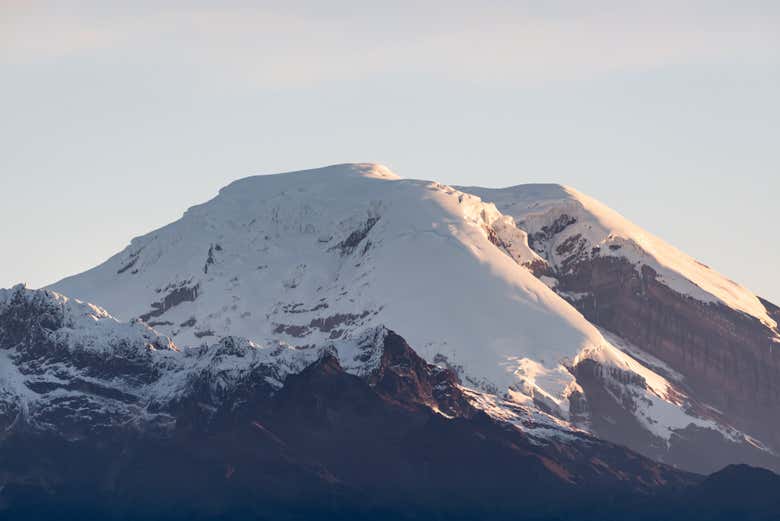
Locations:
(728, 359)
(609, 409)
(404, 376)
(177, 295)
(774, 311)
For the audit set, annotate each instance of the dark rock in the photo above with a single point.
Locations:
(348, 245)
(728, 359)
(182, 293)
(189, 322)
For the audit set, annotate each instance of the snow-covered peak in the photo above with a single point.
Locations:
(539, 208)
(299, 261)
(249, 186)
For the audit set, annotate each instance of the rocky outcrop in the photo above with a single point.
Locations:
(772, 309)
(176, 295)
(353, 240)
(403, 376)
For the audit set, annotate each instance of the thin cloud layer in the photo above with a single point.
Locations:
(290, 46)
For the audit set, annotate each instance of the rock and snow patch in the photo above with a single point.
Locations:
(539, 425)
(80, 326)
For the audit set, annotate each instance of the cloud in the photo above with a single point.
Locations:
(295, 46)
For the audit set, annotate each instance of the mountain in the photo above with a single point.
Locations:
(377, 346)
(475, 282)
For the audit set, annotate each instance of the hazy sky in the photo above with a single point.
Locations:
(114, 119)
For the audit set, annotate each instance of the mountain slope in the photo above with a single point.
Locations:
(719, 338)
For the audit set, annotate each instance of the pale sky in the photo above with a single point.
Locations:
(115, 117)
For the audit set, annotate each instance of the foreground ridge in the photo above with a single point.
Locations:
(315, 434)
(399, 438)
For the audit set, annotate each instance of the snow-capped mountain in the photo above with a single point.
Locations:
(476, 282)
(314, 256)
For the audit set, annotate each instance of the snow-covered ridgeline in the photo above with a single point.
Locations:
(541, 208)
(75, 324)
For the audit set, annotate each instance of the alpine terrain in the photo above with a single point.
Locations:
(343, 342)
